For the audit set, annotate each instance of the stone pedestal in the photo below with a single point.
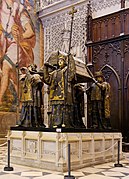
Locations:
(49, 150)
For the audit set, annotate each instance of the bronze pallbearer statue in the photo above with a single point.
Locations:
(99, 101)
(31, 97)
(66, 97)
(61, 106)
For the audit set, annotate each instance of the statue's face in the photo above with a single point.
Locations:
(99, 79)
(61, 63)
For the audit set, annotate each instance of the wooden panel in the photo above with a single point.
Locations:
(103, 30)
(110, 26)
(126, 87)
(94, 31)
(117, 26)
(126, 20)
(110, 53)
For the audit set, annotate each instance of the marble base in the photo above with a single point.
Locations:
(49, 150)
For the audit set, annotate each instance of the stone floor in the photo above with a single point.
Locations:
(103, 171)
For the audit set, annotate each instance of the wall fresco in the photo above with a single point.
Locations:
(19, 46)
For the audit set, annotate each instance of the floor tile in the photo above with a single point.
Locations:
(91, 170)
(75, 173)
(51, 176)
(120, 169)
(95, 176)
(35, 174)
(12, 176)
(105, 166)
(127, 177)
(113, 174)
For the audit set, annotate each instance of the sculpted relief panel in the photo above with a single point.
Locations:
(57, 32)
(57, 25)
(102, 4)
(97, 5)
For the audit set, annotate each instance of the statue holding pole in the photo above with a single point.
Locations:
(61, 81)
(99, 102)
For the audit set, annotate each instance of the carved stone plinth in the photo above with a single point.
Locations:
(49, 150)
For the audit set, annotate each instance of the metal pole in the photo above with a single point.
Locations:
(8, 168)
(17, 71)
(118, 157)
(70, 39)
(69, 172)
(69, 167)
(67, 72)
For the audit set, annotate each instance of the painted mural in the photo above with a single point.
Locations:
(19, 46)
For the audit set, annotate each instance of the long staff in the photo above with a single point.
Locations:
(18, 48)
(67, 72)
(70, 39)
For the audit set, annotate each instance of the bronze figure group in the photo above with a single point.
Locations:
(65, 96)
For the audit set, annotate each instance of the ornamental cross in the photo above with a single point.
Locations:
(70, 39)
(66, 86)
(73, 11)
